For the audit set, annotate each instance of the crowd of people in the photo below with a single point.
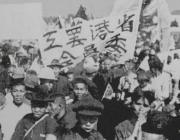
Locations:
(101, 98)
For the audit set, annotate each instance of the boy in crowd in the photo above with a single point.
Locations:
(37, 125)
(88, 111)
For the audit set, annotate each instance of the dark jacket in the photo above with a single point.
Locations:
(46, 126)
(114, 113)
(79, 134)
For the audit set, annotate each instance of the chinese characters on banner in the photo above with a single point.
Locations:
(115, 34)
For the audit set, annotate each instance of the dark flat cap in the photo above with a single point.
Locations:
(88, 106)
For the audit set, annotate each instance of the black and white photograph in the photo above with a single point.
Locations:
(90, 70)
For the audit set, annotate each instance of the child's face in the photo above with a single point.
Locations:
(88, 123)
(38, 111)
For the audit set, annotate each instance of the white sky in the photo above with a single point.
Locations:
(98, 8)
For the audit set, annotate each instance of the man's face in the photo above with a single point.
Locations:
(141, 106)
(80, 89)
(38, 111)
(88, 123)
(57, 108)
(48, 83)
(18, 93)
(107, 64)
(143, 83)
(56, 71)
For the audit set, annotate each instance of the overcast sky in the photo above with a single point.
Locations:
(98, 8)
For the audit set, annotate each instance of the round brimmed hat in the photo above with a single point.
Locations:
(88, 106)
(157, 122)
(55, 63)
(39, 96)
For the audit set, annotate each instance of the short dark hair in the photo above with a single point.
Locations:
(156, 63)
(79, 80)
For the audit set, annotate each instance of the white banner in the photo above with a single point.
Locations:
(116, 34)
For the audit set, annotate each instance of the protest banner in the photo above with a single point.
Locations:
(52, 42)
(21, 21)
(116, 34)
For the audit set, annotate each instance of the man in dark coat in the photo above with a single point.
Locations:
(88, 111)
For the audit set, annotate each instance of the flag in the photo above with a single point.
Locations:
(108, 92)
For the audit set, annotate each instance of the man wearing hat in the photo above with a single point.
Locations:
(37, 125)
(130, 127)
(47, 77)
(14, 108)
(87, 111)
(55, 65)
(156, 126)
(62, 85)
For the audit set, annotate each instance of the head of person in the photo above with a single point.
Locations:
(88, 111)
(130, 81)
(169, 60)
(143, 79)
(70, 74)
(140, 104)
(47, 77)
(31, 80)
(177, 105)
(91, 64)
(6, 62)
(11, 69)
(56, 67)
(25, 63)
(176, 56)
(129, 64)
(127, 99)
(157, 46)
(156, 126)
(39, 101)
(57, 108)
(156, 66)
(106, 64)
(18, 89)
(80, 87)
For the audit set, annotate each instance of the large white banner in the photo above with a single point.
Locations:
(115, 34)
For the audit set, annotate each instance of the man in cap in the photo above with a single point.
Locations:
(62, 85)
(37, 125)
(88, 111)
(62, 113)
(156, 126)
(47, 77)
(55, 65)
(161, 87)
(129, 128)
(14, 108)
